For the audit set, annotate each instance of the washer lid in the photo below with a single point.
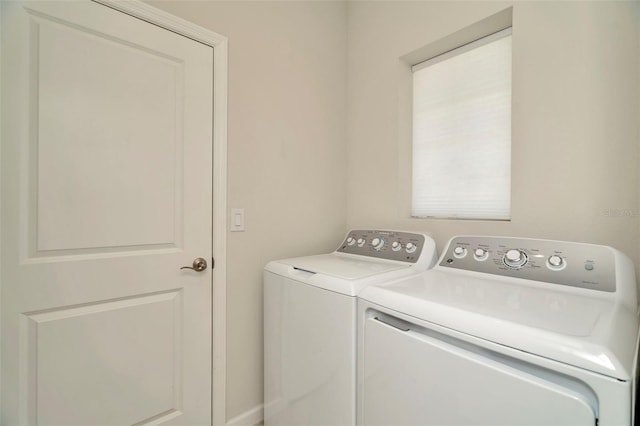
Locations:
(341, 273)
(586, 329)
(342, 267)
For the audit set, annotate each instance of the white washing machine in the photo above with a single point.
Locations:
(503, 331)
(310, 323)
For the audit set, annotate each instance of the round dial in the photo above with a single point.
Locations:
(480, 254)
(351, 241)
(515, 258)
(459, 252)
(410, 247)
(556, 262)
(396, 246)
(377, 243)
(361, 242)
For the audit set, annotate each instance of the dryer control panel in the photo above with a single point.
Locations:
(558, 262)
(391, 245)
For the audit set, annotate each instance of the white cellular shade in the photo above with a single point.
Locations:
(462, 132)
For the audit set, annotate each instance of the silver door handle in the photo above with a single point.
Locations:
(199, 265)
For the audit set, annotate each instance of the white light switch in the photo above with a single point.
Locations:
(237, 220)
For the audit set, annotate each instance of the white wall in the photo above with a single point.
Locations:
(287, 153)
(575, 117)
(312, 81)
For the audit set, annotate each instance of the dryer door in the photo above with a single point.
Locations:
(416, 376)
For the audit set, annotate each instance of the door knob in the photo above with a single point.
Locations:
(199, 265)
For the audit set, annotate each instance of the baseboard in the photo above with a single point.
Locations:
(248, 418)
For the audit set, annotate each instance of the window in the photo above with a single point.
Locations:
(462, 132)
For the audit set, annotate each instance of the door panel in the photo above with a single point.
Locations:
(425, 380)
(139, 338)
(127, 131)
(106, 193)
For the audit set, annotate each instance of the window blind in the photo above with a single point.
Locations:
(462, 132)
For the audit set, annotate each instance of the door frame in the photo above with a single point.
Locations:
(219, 43)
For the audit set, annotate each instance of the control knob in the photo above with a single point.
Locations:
(515, 258)
(459, 252)
(361, 242)
(480, 254)
(377, 243)
(396, 246)
(556, 262)
(351, 241)
(410, 247)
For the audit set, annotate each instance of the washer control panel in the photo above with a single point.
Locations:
(391, 245)
(557, 262)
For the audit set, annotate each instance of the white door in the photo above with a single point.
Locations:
(106, 193)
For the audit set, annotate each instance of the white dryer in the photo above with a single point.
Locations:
(503, 331)
(310, 323)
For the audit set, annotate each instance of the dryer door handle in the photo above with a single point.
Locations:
(394, 322)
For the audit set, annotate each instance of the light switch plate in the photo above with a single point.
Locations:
(237, 220)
